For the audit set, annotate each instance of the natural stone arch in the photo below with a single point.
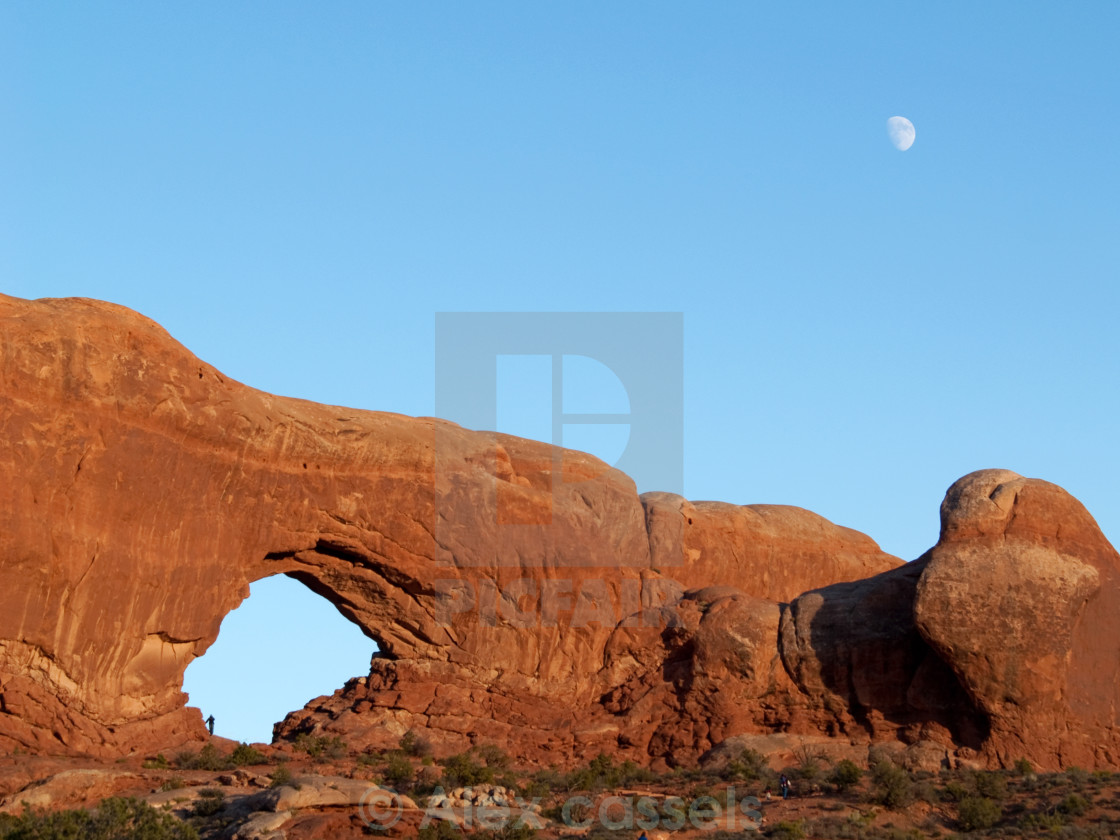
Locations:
(281, 647)
(141, 491)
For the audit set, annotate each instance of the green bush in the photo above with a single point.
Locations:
(160, 762)
(1023, 767)
(280, 776)
(415, 745)
(787, 830)
(209, 802)
(493, 756)
(846, 774)
(174, 783)
(463, 769)
(990, 785)
(601, 772)
(893, 786)
(1074, 805)
(956, 791)
(511, 830)
(114, 819)
(1042, 822)
(810, 762)
(751, 765)
(1078, 775)
(976, 813)
(243, 755)
(208, 758)
(398, 772)
(439, 830)
(320, 746)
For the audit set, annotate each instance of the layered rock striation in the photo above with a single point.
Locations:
(517, 592)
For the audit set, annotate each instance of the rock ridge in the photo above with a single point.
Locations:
(517, 592)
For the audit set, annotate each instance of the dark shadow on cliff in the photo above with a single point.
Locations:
(859, 643)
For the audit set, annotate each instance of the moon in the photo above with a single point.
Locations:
(902, 133)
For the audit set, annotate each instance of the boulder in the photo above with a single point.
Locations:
(1019, 599)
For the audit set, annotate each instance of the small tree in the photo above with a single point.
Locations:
(893, 786)
(845, 775)
(414, 744)
(751, 765)
(976, 813)
(398, 771)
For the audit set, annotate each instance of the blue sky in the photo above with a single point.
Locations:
(294, 190)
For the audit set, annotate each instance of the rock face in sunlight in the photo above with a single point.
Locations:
(519, 593)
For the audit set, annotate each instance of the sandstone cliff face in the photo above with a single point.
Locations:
(1020, 597)
(518, 592)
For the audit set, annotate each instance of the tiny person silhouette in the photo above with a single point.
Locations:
(210, 724)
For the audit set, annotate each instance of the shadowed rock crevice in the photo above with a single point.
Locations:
(522, 593)
(856, 646)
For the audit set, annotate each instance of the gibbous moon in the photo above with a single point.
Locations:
(902, 133)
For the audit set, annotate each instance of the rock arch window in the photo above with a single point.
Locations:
(285, 645)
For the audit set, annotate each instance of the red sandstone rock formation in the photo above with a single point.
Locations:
(518, 592)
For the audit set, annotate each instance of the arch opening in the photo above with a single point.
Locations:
(282, 647)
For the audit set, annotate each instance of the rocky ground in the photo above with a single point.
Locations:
(317, 788)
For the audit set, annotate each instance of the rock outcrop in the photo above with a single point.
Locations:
(517, 592)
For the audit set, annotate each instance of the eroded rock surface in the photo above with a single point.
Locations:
(519, 593)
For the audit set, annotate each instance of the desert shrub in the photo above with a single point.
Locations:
(1023, 767)
(787, 830)
(115, 819)
(956, 790)
(463, 769)
(370, 758)
(989, 785)
(426, 781)
(1051, 823)
(1074, 805)
(320, 747)
(1078, 776)
(845, 774)
(208, 758)
(160, 762)
(751, 765)
(601, 772)
(893, 786)
(976, 813)
(280, 776)
(542, 783)
(493, 756)
(174, 783)
(398, 771)
(210, 802)
(243, 755)
(510, 830)
(926, 791)
(810, 763)
(415, 744)
(439, 830)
